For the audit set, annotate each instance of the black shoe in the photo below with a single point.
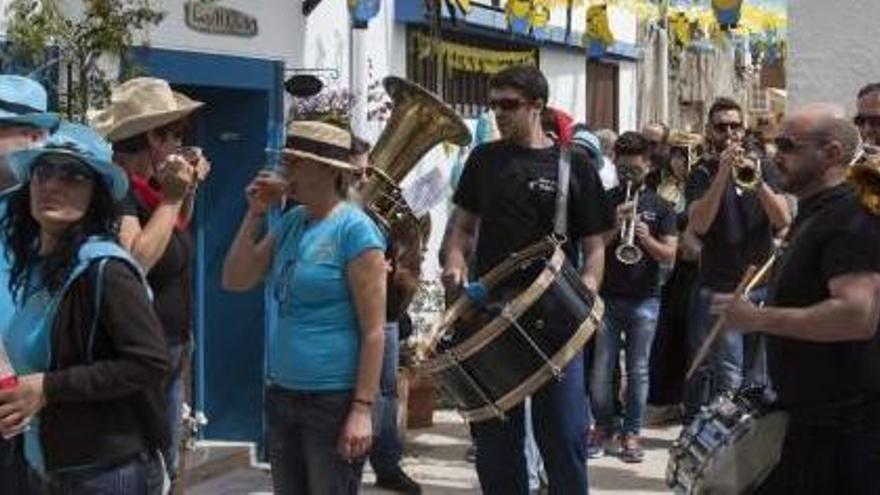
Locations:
(399, 482)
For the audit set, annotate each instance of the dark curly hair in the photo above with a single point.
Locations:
(631, 143)
(22, 234)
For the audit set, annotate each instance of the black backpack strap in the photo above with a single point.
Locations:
(96, 283)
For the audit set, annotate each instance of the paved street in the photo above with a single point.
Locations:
(436, 458)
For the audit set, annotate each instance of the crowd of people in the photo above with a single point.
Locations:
(96, 289)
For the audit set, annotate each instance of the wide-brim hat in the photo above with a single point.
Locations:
(82, 143)
(319, 142)
(140, 105)
(23, 102)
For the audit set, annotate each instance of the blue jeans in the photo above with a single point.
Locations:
(303, 434)
(558, 419)
(174, 392)
(636, 319)
(386, 452)
(736, 360)
(534, 463)
(141, 475)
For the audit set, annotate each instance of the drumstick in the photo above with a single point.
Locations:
(706, 346)
(746, 285)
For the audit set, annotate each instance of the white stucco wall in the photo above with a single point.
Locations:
(567, 76)
(627, 99)
(832, 50)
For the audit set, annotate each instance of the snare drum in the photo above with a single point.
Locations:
(729, 448)
(537, 315)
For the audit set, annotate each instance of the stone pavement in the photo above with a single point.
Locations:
(436, 458)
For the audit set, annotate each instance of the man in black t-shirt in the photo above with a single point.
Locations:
(631, 295)
(736, 227)
(507, 192)
(822, 321)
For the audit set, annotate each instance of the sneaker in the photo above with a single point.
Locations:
(399, 482)
(631, 449)
(596, 440)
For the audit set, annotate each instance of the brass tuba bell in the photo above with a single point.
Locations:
(864, 174)
(418, 122)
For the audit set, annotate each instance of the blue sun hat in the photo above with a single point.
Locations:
(81, 142)
(24, 102)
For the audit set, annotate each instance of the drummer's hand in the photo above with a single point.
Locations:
(356, 437)
(453, 279)
(740, 313)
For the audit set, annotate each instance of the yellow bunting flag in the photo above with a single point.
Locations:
(468, 58)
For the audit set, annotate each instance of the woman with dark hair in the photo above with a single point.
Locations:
(85, 341)
(146, 124)
(324, 264)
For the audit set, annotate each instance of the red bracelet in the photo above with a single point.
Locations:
(363, 402)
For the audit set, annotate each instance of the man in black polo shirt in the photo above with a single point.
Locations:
(823, 346)
(506, 201)
(632, 299)
(736, 227)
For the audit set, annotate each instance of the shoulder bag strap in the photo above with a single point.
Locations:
(560, 221)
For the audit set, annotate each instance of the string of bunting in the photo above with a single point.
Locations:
(468, 58)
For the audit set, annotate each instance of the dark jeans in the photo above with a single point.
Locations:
(13, 468)
(141, 475)
(737, 360)
(386, 452)
(636, 320)
(303, 433)
(558, 419)
(836, 455)
(174, 394)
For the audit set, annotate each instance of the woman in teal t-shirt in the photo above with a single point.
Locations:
(325, 272)
(84, 339)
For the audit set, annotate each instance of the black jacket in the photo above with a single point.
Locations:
(105, 402)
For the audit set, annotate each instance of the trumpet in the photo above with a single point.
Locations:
(746, 171)
(627, 252)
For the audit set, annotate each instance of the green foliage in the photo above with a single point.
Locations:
(43, 32)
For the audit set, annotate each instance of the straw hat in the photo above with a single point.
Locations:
(320, 142)
(140, 105)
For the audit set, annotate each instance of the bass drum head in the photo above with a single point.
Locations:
(478, 316)
(746, 459)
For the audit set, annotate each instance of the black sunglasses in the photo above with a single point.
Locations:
(68, 169)
(867, 120)
(725, 126)
(786, 144)
(506, 104)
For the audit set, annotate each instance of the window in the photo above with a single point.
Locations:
(461, 76)
(758, 96)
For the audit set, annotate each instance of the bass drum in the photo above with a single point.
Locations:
(730, 447)
(532, 315)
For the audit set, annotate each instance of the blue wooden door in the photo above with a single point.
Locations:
(230, 334)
